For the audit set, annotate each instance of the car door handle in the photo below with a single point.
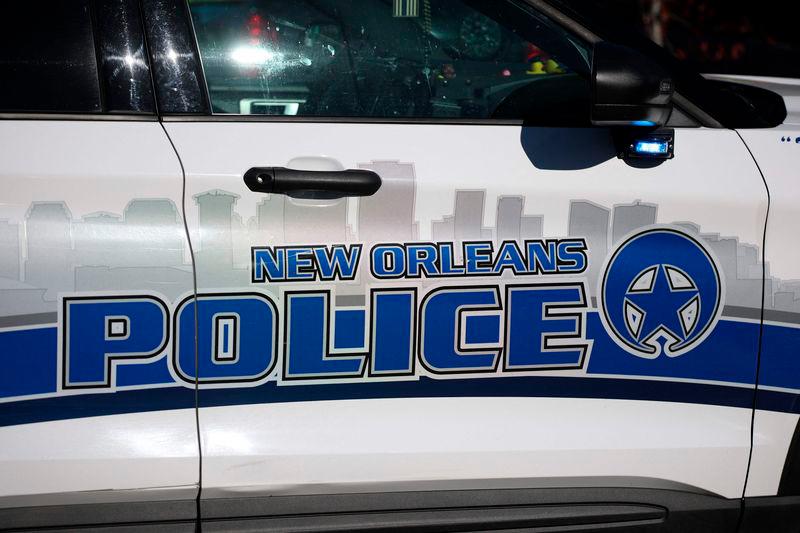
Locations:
(314, 184)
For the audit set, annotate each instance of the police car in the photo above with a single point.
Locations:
(390, 265)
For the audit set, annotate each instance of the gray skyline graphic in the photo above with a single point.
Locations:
(52, 252)
(143, 248)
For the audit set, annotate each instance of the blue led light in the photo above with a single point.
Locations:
(651, 147)
(643, 123)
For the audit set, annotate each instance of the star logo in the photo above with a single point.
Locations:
(661, 293)
(661, 305)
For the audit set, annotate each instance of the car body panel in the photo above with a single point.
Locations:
(443, 195)
(777, 152)
(88, 208)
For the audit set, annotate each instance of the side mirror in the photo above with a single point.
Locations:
(628, 89)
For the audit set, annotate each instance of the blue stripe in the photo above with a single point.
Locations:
(97, 404)
(502, 387)
(27, 411)
(783, 402)
(727, 355)
(28, 362)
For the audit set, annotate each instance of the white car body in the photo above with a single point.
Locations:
(154, 214)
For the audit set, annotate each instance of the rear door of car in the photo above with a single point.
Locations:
(93, 428)
(515, 308)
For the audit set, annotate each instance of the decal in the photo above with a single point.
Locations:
(100, 332)
(241, 338)
(438, 260)
(308, 336)
(661, 293)
(460, 293)
(305, 263)
(558, 309)
(237, 338)
(441, 349)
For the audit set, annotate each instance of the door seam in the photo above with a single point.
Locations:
(196, 356)
(760, 328)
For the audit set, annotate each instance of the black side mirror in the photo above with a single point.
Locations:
(628, 89)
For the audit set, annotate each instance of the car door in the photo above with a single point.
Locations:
(94, 430)
(774, 475)
(515, 308)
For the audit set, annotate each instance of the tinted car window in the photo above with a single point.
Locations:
(382, 58)
(47, 57)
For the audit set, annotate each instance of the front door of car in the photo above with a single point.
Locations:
(515, 306)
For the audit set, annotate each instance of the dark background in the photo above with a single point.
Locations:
(760, 37)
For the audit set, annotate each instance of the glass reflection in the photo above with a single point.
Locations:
(124, 63)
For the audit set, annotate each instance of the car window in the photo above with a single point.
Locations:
(47, 58)
(391, 59)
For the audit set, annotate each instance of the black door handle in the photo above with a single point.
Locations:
(315, 184)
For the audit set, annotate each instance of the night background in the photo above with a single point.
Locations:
(717, 36)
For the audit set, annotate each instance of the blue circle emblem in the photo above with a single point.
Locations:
(661, 292)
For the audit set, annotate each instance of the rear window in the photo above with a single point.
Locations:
(47, 58)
